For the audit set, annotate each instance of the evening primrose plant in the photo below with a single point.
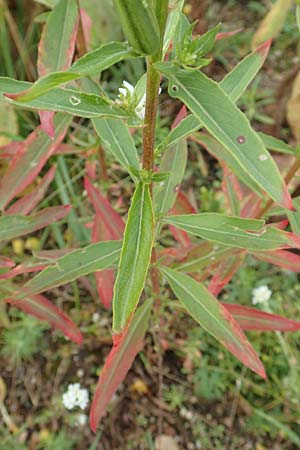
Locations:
(208, 248)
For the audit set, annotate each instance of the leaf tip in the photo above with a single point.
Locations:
(264, 48)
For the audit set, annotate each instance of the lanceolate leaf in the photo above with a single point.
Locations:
(12, 226)
(253, 319)
(41, 308)
(229, 126)
(173, 162)
(276, 144)
(135, 257)
(92, 63)
(250, 234)
(119, 362)
(27, 203)
(282, 258)
(116, 139)
(234, 85)
(225, 271)
(29, 161)
(206, 254)
(70, 101)
(213, 317)
(58, 39)
(75, 264)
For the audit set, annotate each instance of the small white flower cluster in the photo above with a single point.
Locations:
(127, 96)
(75, 396)
(261, 294)
(126, 93)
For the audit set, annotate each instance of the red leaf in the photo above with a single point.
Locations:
(225, 272)
(6, 263)
(27, 163)
(253, 319)
(180, 116)
(182, 206)
(41, 308)
(109, 216)
(125, 348)
(23, 268)
(27, 203)
(282, 258)
(226, 34)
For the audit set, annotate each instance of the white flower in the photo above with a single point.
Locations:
(127, 96)
(75, 396)
(96, 317)
(261, 295)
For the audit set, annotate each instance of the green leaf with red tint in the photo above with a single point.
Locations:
(33, 154)
(119, 361)
(213, 317)
(12, 226)
(250, 234)
(283, 258)
(253, 319)
(40, 307)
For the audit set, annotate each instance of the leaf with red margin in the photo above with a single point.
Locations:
(282, 258)
(225, 271)
(213, 317)
(232, 190)
(113, 221)
(40, 307)
(6, 263)
(253, 319)
(27, 203)
(205, 255)
(182, 206)
(125, 348)
(12, 226)
(227, 34)
(27, 267)
(56, 48)
(104, 279)
(27, 163)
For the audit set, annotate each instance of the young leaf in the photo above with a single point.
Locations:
(93, 63)
(30, 159)
(119, 362)
(70, 101)
(254, 319)
(12, 226)
(135, 257)
(217, 112)
(117, 140)
(173, 161)
(213, 317)
(250, 234)
(40, 307)
(73, 265)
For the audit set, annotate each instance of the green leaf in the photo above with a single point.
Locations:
(229, 126)
(276, 145)
(93, 63)
(220, 152)
(233, 84)
(56, 49)
(135, 257)
(70, 101)
(250, 234)
(213, 317)
(116, 139)
(203, 256)
(173, 161)
(119, 362)
(75, 264)
(12, 226)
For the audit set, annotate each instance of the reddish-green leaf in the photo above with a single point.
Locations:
(253, 319)
(213, 317)
(282, 258)
(119, 362)
(30, 159)
(12, 226)
(41, 308)
(250, 234)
